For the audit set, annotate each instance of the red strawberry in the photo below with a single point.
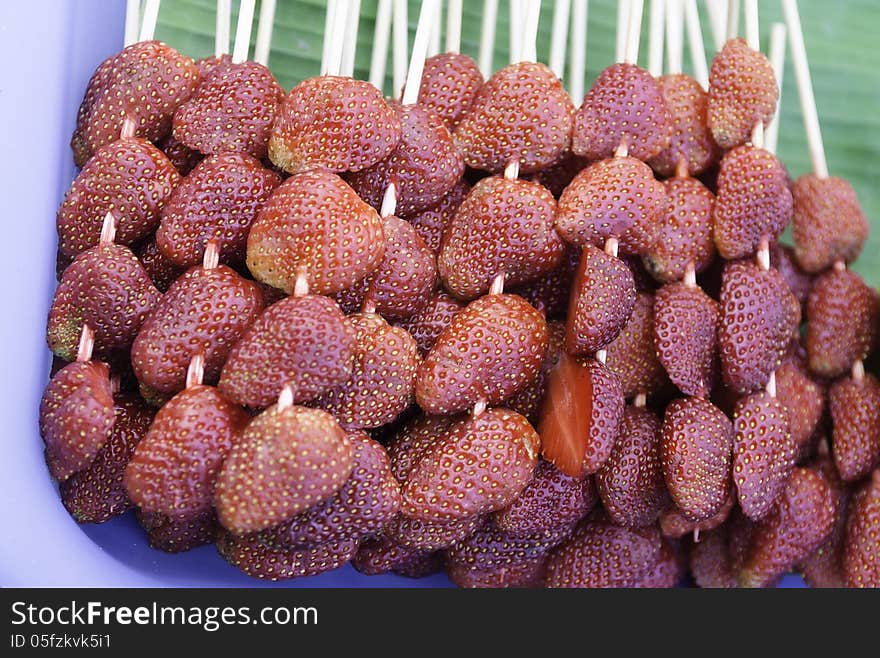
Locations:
(828, 222)
(303, 341)
(802, 396)
(759, 317)
(232, 109)
(753, 201)
(764, 453)
(523, 114)
(528, 401)
(692, 143)
(96, 494)
(505, 227)
(861, 561)
(551, 502)
(675, 525)
(219, 200)
(431, 223)
(557, 176)
(179, 534)
(106, 288)
(551, 292)
(632, 357)
(696, 452)
(206, 310)
(333, 123)
(782, 258)
(367, 501)
(431, 535)
(742, 93)
(630, 482)
(685, 325)
(381, 383)
(260, 560)
(600, 554)
(670, 568)
(298, 232)
(581, 414)
(842, 319)
(625, 105)
(161, 270)
(76, 416)
(800, 523)
(427, 325)
(403, 282)
(288, 459)
(406, 447)
(380, 555)
(855, 414)
(131, 178)
(491, 350)
(710, 561)
(824, 568)
(602, 299)
(612, 198)
(175, 466)
(683, 234)
(147, 81)
(480, 464)
(181, 156)
(450, 81)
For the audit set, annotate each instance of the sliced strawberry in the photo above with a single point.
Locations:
(161, 270)
(550, 293)
(742, 93)
(491, 350)
(863, 536)
(297, 232)
(431, 535)
(523, 114)
(855, 415)
(505, 227)
(178, 534)
(181, 156)
(450, 81)
(260, 560)
(675, 525)
(632, 357)
(380, 555)
(431, 223)
(427, 324)
(803, 398)
(696, 452)
(288, 459)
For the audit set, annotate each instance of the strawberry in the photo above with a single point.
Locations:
(480, 464)
(219, 200)
(581, 414)
(491, 350)
(303, 341)
(428, 323)
(450, 81)
(181, 156)
(828, 222)
(260, 560)
(742, 93)
(782, 258)
(759, 317)
(600, 554)
(383, 374)
(298, 232)
(231, 110)
(692, 142)
(550, 293)
(685, 336)
(670, 568)
(106, 288)
(710, 561)
(288, 459)
(206, 310)
(528, 401)
(764, 453)
(367, 501)
(551, 502)
(379, 555)
(800, 523)
(431, 223)
(602, 299)
(96, 494)
(696, 446)
(842, 319)
(147, 81)
(431, 535)
(861, 562)
(333, 123)
(160, 270)
(129, 177)
(76, 417)
(674, 524)
(630, 482)
(407, 445)
(612, 198)
(855, 414)
(683, 232)
(632, 357)
(178, 534)
(824, 567)
(557, 176)
(424, 165)
(625, 105)
(404, 281)
(175, 466)
(523, 114)
(753, 201)
(803, 398)
(505, 227)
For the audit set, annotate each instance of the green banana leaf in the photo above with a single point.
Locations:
(840, 40)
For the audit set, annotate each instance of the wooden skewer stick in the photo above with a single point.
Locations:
(86, 344)
(622, 30)
(559, 37)
(655, 37)
(400, 46)
(349, 45)
(805, 88)
(487, 37)
(300, 284)
(264, 32)
(108, 229)
(717, 10)
(578, 54)
(389, 201)
(242, 44)
(195, 373)
(337, 39)
(329, 22)
(732, 23)
(453, 26)
(419, 52)
(695, 41)
(379, 55)
(150, 16)
(529, 50)
(285, 398)
(777, 61)
(132, 21)
(516, 21)
(222, 26)
(674, 37)
(434, 31)
(754, 40)
(636, 8)
(211, 257)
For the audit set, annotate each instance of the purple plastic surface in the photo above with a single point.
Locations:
(49, 50)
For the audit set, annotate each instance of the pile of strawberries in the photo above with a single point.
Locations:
(529, 343)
